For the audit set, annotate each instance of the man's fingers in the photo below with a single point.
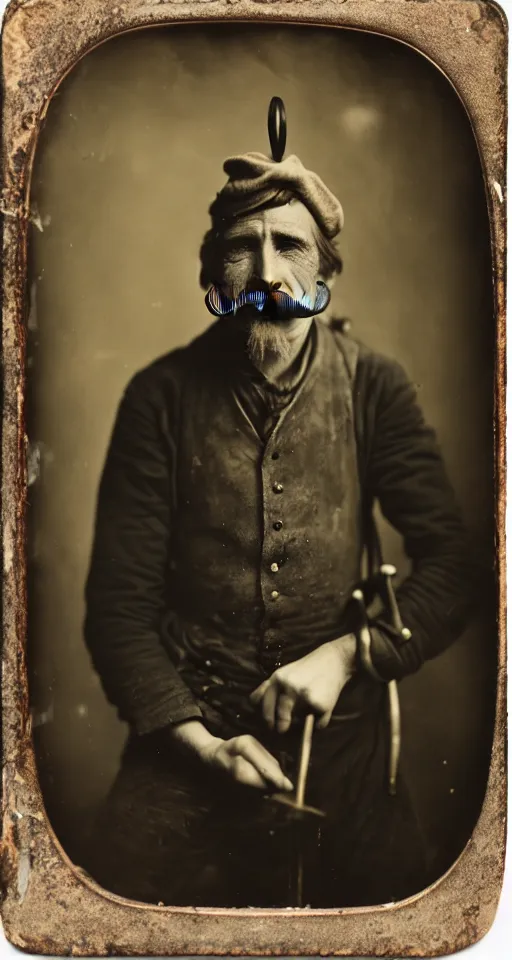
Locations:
(266, 765)
(285, 707)
(323, 721)
(246, 773)
(268, 705)
(258, 694)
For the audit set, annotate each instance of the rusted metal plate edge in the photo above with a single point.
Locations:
(47, 906)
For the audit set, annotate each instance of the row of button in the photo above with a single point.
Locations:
(278, 525)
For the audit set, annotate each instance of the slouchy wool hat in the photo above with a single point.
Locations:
(255, 181)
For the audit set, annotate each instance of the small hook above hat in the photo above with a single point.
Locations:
(277, 128)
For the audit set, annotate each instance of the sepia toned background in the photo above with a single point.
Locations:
(130, 157)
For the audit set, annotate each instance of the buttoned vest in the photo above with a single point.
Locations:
(266, 539)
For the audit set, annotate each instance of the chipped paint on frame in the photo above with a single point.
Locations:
(48, 906)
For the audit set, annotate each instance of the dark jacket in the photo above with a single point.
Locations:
(182, 597)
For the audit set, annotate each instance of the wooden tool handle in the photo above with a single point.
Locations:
(305, 753)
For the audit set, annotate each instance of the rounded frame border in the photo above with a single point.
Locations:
(48, 906)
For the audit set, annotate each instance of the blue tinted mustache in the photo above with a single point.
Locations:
(273, 302)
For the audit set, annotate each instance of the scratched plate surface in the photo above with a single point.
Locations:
(48, 907)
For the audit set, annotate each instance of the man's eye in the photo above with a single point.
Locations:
(236, 248)
(287, 244)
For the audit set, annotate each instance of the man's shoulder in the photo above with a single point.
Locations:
(371, 368)
(377, 364)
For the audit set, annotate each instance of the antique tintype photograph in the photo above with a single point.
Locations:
(227, 382)
(262, 586)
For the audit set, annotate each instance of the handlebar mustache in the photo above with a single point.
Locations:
(272, 301)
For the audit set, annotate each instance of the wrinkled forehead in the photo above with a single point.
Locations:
(291, 219)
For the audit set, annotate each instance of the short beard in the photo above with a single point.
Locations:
(267, 341)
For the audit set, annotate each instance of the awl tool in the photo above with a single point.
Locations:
(295, 805)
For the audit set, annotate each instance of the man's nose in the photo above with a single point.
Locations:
(269, 264)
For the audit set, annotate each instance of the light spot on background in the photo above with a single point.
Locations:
(359, 120)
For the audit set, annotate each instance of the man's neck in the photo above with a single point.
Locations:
(277, 369)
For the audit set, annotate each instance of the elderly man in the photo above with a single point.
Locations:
(230, 531)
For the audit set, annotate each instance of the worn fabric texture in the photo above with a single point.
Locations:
(185, 617)
(148, 589)
(170, 832)
(254, 181)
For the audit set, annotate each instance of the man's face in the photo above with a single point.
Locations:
(276, 246)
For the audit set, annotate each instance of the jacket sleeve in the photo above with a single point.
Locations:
(126, 586)
(405, 473)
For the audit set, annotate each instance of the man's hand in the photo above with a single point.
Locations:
(314, 682)
(243, 758)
